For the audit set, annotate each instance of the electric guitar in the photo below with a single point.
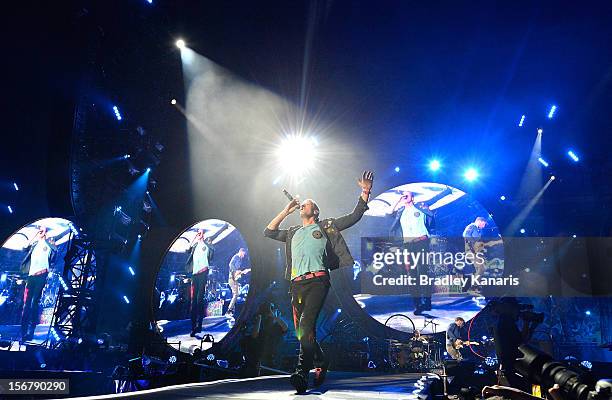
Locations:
(459, 344)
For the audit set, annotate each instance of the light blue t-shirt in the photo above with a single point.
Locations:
(200, 257)
(307, 250)
(40, 257)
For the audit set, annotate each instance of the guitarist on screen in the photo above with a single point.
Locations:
(237, 267)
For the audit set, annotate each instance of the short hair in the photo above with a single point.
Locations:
(459, 319)
(480, 219)
(316, 207)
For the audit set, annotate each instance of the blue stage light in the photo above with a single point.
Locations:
(150, 1)
(588, 312)
(172, 278)
(15, 186)
(521, 121)
(139, 237)
(502, 197)
(222, 363)
(434, 165)
(540, 130)
(172, 359)
(587, 364)
(397, 169)
(210, 357)
(132, 271)
(148, 169)
(574, 236)
(471, 174)
(125, 298)
(551, 113)
(100, 341)
(522, 230)
(80, 341)
(573, 156)
(127, 156)
(371, 364)
(543, 162)
(339, 310)
(10, 209)
(3, 277)
(117, 113)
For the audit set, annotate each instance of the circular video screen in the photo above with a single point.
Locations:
(426, 250)
(202, 285)
(31, 267)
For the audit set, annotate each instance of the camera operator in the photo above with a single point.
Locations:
(508, 337)
(261, 338)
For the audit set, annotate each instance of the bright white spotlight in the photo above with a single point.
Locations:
(470, 174)
(297, 155)
(522, 121)
(180, 44)
(573, 156)
(502, 197)
(173, 101)
(523, 230)
(434, 165)
(540, 130)
(552, 178)
(543, 162)
(397, 169)
(551, 113)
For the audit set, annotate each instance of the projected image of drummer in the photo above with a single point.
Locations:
(202, 285)
(31, 265)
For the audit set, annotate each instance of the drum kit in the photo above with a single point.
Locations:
(420, 353)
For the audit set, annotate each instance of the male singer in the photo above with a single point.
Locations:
(37, 263)
(415, 220)
(201, 252)
(312, 250)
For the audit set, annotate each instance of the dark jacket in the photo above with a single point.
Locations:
(423, 206)
(211, 252)
(27, 260)
(337, 253)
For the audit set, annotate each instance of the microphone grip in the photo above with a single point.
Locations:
(288, 195)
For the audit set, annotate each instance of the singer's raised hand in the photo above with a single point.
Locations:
(292, 206)
(366, 180)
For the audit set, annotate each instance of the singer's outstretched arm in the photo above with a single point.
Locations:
(346, 221)
(272, 230)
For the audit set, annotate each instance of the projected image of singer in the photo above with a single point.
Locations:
(415, 220)
(201, 253)
(313, 249)
(37, 263)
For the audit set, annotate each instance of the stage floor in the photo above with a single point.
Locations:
(339, 385)
(178, 331)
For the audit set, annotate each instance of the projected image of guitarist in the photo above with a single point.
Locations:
(475, 244)
(237, 268)
(456, 339)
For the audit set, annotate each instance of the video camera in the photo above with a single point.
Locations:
(575, 384)
(511, 307)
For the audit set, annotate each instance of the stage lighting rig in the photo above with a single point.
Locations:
(180, 44)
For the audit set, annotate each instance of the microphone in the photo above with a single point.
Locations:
(288, 195)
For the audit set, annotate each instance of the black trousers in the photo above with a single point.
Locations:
(422, 294)
(307, 298)
(31, 298)
(198, 302)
